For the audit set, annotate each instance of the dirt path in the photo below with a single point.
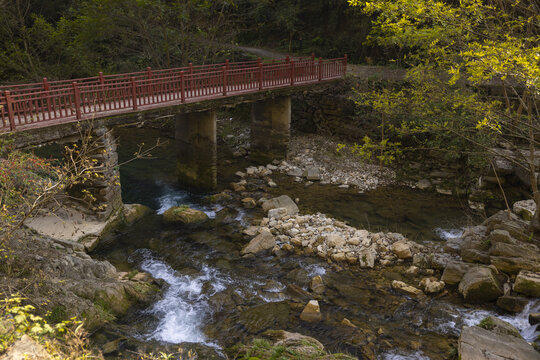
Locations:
(362, 71)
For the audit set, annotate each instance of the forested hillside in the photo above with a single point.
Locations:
(74, 38)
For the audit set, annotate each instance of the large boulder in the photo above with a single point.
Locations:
(476, 343)
(528, 283)
(454, 272)
(402, 250)
(525, 208)
(512, 265)
(135, 212)
(184, 215)
(262, 242)
(514, 304)
(282, 201)
(479, 284)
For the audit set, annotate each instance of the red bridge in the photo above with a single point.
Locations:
(47, 103)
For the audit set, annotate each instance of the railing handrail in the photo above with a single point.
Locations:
(41, 104)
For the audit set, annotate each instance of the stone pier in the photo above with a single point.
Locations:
(105, 189)
(270, 129)
(196, 149)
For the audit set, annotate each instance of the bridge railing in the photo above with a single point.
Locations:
(39, 105)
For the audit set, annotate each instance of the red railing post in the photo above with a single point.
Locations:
(77, 98)
(320, 69)
(227, 64)
(287, 59)
(292, 72)
(11, 115)
(224, 81)
(182, 87)
(150, 88)
(345, 65)
(260, 75)
(134, 93)
(46, 88)
(101, 78)
(191, 69)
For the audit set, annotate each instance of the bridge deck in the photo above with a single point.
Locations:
(41, 105)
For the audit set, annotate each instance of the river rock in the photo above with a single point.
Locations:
(476, 343)
(317, 285)
(528, 283)
(513, 304)
(423, 184)
(498, 326)
(525, 208)
(282, 201)
(184, 215)
(135, 212)
(277, 213)
(402, 250)
(265, 316)
(534, 318)
(512, 265)
(312, 173)
(304, 347)
(431, 285)
(26, 348)
(334, 240)
(312, 312)
(262, 242)
(499, 235)
(475, 256)
(479, 284)
(367, 258)
(407, 289)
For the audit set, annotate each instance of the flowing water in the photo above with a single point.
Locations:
(215, 298)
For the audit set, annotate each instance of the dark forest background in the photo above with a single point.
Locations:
(77, 38)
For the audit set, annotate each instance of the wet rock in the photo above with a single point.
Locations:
(347, 322)
(135, 212)
(423, 184)
(26, 349)
(312, 312)
(402, 250)
(266, 316)
(528, 283)
(431, 285)
(317, 285)
(184, 215)
(298, 344)
(525, 208)
(476, 343)
(111, 347)
(475, 256)
(262, 242)
(498, 326)
(251, 231)
(534, 318)
(514, 304)
(412, 270)
(479, 284)
(298, 276)
(295, 172)
(249, 203)
(281, 202)
(407, 289)
(296, 292)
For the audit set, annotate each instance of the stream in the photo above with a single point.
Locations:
(213, 298)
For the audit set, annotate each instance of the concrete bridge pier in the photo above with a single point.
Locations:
(270, 129)
(197, 149)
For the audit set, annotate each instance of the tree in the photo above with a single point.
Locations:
(456, 49)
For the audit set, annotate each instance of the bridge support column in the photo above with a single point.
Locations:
(197, 149)
(270, 129)
(102, 195)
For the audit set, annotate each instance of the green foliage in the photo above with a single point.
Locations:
(61, 340)
(454, 50)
